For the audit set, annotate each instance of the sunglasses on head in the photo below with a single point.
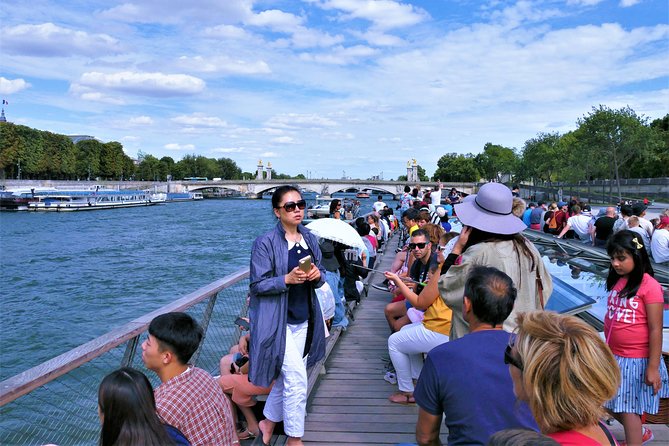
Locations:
(509, 359)
(291, 205)
(417, 245)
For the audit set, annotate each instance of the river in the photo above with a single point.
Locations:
(67, 278)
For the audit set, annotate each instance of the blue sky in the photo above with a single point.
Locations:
(323, 87)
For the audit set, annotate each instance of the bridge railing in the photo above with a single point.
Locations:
(56, 401)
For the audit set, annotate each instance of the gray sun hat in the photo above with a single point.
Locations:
(490, 210)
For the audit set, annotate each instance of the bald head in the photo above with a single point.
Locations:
(610, 211)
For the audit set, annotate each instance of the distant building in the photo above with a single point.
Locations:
(2, 116)
(76, 138)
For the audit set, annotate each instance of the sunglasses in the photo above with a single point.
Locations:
(509, 359)
(291, 205)
(417, 245)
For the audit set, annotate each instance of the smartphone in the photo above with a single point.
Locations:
(243, 323)
(305, 264)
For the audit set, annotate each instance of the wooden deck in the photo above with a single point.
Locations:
(349, 403)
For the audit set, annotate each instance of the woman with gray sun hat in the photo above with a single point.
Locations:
(491, 236)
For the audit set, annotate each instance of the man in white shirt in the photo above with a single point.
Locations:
(580, 223)
(378, 204)
(660, 241)
(435, 196)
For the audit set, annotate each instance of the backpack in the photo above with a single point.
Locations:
(552, 223)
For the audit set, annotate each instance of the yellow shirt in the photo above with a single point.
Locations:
(438, 317)
(413, 228)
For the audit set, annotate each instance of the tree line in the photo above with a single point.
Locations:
(607, 144)
(29, 153)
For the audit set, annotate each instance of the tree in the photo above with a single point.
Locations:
(454, 167)
(422, 176)
(149, 168)
(541, 156)
(229, 169)
(88, 161)
(619, 135)
(496, 160)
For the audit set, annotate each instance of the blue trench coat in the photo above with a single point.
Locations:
(268, 305)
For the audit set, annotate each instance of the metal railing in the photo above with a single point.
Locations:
(56, 401)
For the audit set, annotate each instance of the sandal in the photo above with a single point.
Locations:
(245, 434)
(402, 398)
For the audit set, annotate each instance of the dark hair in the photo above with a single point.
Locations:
(407, 188)
(419, 232)
(491, 293)
(626, 241)
(379, 197)
(333, 205)
(280, 191)
(626, 210)
(520, 437)
(414, 192)
(362, 228)
(128, 409)
(410, 214)
(177, 332)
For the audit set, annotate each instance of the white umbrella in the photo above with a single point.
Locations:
(337, 231)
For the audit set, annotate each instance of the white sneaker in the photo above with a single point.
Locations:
(390, 377)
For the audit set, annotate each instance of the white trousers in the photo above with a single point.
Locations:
(287, 400)
(406, 348)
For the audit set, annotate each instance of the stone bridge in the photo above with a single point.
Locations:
(323, 187)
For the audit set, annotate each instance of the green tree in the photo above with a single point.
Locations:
(148, 168)
(88, 161)
(496, 160)
(422, 176)
(619, 135)
(454, 167)
(229, 169)
(541, 157)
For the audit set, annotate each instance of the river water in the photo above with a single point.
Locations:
(67, 278)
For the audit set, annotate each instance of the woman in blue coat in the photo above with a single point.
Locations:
(286, 321)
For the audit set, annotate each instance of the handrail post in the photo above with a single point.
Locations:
(130, 349)
(206, 317)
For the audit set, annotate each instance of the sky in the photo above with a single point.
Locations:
(328, 88)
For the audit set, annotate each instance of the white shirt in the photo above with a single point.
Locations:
(647, 225)
(660, 245)
(581, 226)
(378, 206)
(435, 197)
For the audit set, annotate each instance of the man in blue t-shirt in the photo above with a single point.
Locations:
(466, 380)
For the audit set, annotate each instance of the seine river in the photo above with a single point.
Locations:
(70, 277)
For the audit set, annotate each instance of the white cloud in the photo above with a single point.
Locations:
(310, 38)
(146, 84)
(49, 40)
(178, 11)
(628, 3)
(338, 136)
(384, 14)
(223, 65)
(226, 32)
(200, 120)
(377, 38)
(285, 140)
(89, 94)
(275, 20)
(9, 86)
(269, 155)
(583, 2)
(297, 121)
(340, 55)
(178, 147)
(140, 120)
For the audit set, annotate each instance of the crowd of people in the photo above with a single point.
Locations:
(470, 342)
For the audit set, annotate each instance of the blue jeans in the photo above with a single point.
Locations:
(337, 284)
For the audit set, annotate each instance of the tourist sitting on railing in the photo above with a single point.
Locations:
(127, 410)
(465, 380)
(189, 398)
(578, 224)
(234, 381)
(407, 345)
(563, 369)
(491, 236)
